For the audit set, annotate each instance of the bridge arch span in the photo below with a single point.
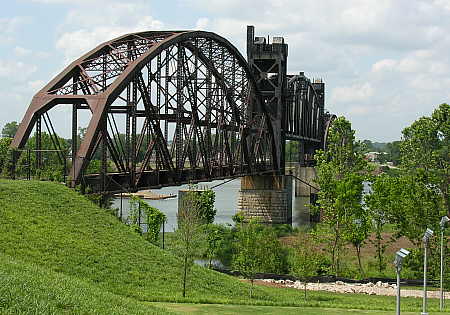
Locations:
(166, 108)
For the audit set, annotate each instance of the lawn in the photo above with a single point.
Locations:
(74, 250)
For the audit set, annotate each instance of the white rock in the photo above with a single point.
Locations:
(339, 283)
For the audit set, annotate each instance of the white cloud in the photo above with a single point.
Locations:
(201, 23)
(36, 85)
(381, 60)
(384, 65)
(16, 70)
(63, 1)
(91, 29)
(9, 26)
(353, 93)
(21, 52)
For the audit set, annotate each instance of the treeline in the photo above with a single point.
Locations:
(357, 208)
(407, 203)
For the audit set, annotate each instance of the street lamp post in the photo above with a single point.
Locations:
(426, 237)
(399, 256)
(444, 220)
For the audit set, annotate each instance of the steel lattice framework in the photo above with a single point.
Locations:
(174, 107)
(167, 108)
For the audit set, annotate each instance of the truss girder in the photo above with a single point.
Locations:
(190, 109)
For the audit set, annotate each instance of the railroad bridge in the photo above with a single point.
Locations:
(174, 107)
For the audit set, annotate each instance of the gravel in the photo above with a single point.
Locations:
(370, 288)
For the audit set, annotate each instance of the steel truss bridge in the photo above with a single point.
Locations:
(173, 107)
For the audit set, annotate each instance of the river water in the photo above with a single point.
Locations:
(226, 203)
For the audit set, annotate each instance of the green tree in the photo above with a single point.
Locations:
(356, 227)
(337, 167)
(305, 260)
(52, 167)
(377, 202)
(5, 153)
(189, 237)
(203, 200)
(393, 152)
(10, 129)
(257, 250)
(425, 150)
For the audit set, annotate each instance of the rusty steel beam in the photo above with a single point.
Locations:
(193, 85)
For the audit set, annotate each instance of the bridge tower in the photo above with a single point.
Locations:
(268, 198)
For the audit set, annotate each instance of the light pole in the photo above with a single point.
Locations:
(444, 220)
(426, 238)
(399, 256)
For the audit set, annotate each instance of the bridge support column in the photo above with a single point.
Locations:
(267, 198)
(307, 175)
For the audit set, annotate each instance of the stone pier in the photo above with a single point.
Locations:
(267, 198)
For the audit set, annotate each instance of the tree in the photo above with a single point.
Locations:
(52, 167)
(10, 129)
(215, 237)
(5, 154)
(393, 152)
(377, 201)
(257, 250)
(305, 260)
(337, 167)
(205, 202)
(189, 237)
(425, 151)
(356, 217)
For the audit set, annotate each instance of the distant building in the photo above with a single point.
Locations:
(373, 156)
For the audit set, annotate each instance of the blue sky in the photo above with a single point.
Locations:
(385, 63)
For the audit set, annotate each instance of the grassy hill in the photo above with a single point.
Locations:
(29, 289)
(55, 227)
(58, 251)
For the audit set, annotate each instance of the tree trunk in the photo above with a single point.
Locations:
(251, 288)
(379, 254)
(185, 276)
(335, 254)
(304, 283)
(358, 253)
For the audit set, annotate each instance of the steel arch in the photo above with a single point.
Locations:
(196, 80)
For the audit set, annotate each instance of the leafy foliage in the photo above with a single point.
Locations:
(376, 203)
(189, 237)
(339, 175)
(10, 129)
(305, 261)
(425, 151)
(257, 250)
(142, 213)
(5, 153)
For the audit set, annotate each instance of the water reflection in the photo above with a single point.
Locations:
(226, 204)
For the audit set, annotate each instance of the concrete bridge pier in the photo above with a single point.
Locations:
(305, 194)
(304, 187)
(267, 198)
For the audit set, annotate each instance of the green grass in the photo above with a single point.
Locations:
(29, 289)
(69, 239)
